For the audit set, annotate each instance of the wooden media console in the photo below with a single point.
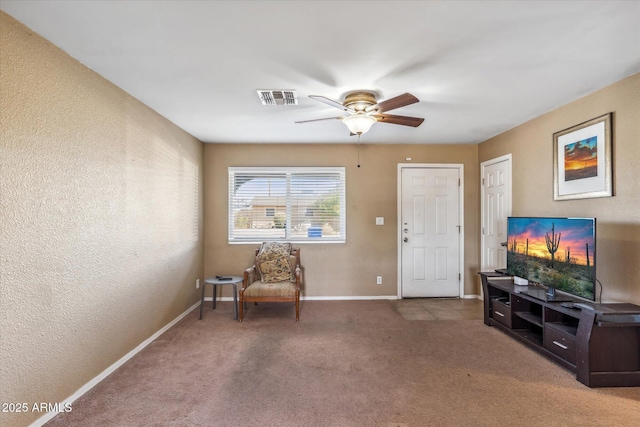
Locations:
(599, 342)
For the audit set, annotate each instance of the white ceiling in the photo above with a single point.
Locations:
(479, 68)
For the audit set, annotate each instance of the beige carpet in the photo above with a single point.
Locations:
(346, 363)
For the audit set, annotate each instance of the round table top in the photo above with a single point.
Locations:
(216, 281)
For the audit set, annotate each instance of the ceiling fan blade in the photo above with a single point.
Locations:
(317, 120)
(393, 103)
(399, 120)
(333, 103)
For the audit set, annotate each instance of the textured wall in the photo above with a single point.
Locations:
(101, 222)
(618, 217)
(348, 269)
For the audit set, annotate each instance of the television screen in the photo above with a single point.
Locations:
(554, 252)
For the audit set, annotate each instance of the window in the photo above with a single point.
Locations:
(287, 204)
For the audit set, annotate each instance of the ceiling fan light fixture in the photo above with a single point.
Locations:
(359, 123)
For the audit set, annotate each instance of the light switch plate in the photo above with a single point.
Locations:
(379, 220)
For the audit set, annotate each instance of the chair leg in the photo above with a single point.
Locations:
(297, 309)
(240, 308)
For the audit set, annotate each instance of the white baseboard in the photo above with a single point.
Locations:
(88, 386)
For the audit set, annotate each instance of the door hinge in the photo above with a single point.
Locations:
(459, 276)
(482, 181)
(459, 182)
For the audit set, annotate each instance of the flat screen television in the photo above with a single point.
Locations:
(557, 253)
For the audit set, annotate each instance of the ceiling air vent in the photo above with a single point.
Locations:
(278, 97)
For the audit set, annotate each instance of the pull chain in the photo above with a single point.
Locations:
(358, 150)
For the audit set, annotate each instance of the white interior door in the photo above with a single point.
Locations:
(496, 207)
(430, 232)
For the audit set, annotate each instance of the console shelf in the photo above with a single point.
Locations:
(530, 317)
(563, 328)
(601, 344)
(529, 336)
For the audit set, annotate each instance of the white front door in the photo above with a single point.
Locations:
(496, 207)
(430, 232)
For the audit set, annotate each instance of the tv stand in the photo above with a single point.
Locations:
(599, 342)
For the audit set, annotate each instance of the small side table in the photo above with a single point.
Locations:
(233, 281)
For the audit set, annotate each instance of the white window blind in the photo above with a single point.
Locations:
(287, 204)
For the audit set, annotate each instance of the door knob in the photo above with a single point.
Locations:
(406, 239)
(503, 244)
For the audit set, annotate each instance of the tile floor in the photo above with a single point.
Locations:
(439, 308)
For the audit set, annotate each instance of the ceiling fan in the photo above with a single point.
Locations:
(364, 110)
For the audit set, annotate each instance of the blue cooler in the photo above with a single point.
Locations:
(314, 232)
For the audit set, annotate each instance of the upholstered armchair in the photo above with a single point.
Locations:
(274, 276)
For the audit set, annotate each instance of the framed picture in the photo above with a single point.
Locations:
(582, 160)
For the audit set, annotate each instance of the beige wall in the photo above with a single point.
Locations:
(101, 222)
(348, 269)
(618, 217)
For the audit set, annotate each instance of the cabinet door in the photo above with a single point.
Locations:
(560, 343)
(501, 313)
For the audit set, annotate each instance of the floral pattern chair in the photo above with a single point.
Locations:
(274, 276)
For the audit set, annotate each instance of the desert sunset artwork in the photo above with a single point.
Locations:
(581, 159)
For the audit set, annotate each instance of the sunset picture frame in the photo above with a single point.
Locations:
(582, 166)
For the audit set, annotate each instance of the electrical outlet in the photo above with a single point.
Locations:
(197, 283)
(379, 280)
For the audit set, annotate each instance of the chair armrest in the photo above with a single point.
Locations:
(298, 275)
(249, 274)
